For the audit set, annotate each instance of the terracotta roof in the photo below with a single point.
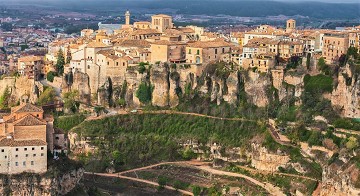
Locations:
(27, 108)
(13, 143)
(30, 58)
(97, 45)
(186, 30)
(133, 43)
(29, 120)
(145, 32)
(209, 44)
(165, 42)
(106, 52)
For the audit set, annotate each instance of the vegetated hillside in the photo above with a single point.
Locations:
(135, 140)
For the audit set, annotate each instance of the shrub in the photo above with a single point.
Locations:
(144, 93)
(48, 96)
(50, 76)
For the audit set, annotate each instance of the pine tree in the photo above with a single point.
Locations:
(60, 63)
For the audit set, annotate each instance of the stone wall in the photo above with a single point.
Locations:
(263, 160)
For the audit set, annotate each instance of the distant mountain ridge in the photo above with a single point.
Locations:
(247, 8)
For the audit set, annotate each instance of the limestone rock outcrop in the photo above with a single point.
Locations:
(21, 88)
(159, 78)
(34, 184)
(255, 88)
(79, 83)
(346, 95)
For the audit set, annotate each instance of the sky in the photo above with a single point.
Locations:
(328, 1)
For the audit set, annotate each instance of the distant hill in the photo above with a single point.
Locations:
(246, 8)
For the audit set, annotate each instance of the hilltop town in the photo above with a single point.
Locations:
(275, 108)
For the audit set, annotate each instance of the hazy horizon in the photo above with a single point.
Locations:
(116, 1)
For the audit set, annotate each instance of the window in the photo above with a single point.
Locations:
(57, 138)
(215, 51)
(223, 50)
(198, 52)
(16, 149)
(42, 148)
(117, 63)
(5, 157)
(33, 148)
(16, 156)
(2, 150)
(26, 155)
(25, 149)
(189, 51)
(34, 155)
(42, 154)
(32, 162)
(24, 163)
(16, 163)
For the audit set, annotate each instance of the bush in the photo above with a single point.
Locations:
(4, 99)
(48, 96)
(319, 83)
(50, 76)
(144, 93)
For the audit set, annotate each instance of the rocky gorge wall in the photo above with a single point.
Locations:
(34, 184)
(21, 88)
(346, 94)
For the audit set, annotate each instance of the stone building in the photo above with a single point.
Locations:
(168, 51)
(335, 44)
(23, 140)
(161, 22)
(204, 52)
(30, 66)
(290, 25)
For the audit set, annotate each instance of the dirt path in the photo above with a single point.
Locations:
(197, 114)
(277, 173)
(203, 166)
(273, 190)
(140, 180)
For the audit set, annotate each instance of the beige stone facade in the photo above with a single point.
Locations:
(23, 136)
(335, 44)
(204, 52)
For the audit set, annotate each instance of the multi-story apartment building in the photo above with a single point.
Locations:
(204, 52)
(335, 44)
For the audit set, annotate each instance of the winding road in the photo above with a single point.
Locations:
(273, 190)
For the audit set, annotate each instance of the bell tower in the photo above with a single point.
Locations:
(127, 17)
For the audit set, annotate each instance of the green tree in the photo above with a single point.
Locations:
(144, 93)
(4, 99)
(162, 181)
(50, 76)
(48, 96)
(70, 100)
(196, 190)
(308, 59)
(323, 67)
(60, 63)
(188, 154)
(352, 143)
(68, 55)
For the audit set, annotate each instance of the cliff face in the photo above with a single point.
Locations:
(159, 78)
(33, 184)
(255, 88)
(346, 95)
(80, 83)
(21, 88)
